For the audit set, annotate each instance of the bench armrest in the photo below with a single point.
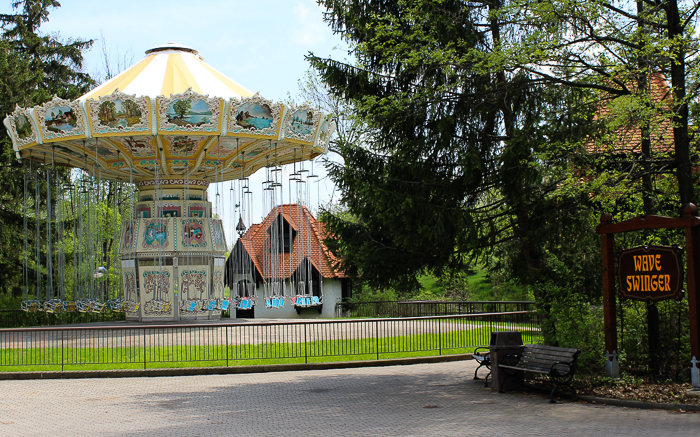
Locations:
(483, 354)
(554, 372)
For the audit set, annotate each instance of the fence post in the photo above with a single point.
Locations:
(227, 346)
(306, 346)
(376, 335)
(439, 337)
(144, 348)
(62, 359)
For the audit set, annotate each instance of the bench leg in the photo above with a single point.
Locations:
(551, 396)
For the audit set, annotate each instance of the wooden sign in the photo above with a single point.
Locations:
(650, 273)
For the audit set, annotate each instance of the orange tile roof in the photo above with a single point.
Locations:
(307, 244)
(628, 139)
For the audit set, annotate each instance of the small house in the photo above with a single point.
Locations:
(284, 266)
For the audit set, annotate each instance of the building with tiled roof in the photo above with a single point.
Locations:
(627, 139)
(285, 255)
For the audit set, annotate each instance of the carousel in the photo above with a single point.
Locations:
(167, 128)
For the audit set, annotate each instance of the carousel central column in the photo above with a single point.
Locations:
(173, 253)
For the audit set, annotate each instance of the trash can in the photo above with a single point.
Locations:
(504, 343)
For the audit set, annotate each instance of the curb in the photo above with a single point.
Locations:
(189, 371)
(626, 403)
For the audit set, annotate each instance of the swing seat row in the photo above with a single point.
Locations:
(307, 301)
(274, 302)
(56, 306)
(192, 305)
(246, 303)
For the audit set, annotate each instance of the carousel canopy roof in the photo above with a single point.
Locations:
(169, 116)
(171, 69)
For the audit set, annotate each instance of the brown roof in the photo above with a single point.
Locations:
(307, 244)
(628, 138)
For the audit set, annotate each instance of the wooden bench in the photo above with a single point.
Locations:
(558, 363)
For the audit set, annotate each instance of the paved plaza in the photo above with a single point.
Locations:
(415, 400)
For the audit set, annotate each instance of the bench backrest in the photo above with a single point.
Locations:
(540, 357)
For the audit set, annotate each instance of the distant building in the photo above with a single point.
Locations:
(285, 255)
(627, 139)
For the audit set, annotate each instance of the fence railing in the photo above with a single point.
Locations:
(428, 308)
(74, 348)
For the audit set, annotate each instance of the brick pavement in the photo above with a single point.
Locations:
(418, 400)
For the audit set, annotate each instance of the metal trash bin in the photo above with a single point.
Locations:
(504, 343)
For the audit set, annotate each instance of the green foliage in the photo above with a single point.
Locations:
(572, 322)
(674, 335)
(33, 68)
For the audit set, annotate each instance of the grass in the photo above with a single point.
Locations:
(48, 359)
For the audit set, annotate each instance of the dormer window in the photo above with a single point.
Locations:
(282, 235)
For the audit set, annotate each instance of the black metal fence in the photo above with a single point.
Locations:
(16, 318)
(428, 308)
(117, 347)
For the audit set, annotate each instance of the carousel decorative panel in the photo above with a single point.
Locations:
(194, 283)
(156, 291)
(155, 234)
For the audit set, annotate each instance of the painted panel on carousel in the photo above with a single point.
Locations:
(197, 210)
(218, 238)
(119, 114)
(218, 282)
(189, 112)
(60, 119)
(129, 232)
(156, 291)
(155, 234)
(143, 210)
(228, 147)
(324, 133)
(301, 124)
(169, 209)
(22, 129)
(184, 145)
(136, 146)
(194, 284)
(179, 165)
(129, 286)
(194, 233)
(255, 116)
(102, 149)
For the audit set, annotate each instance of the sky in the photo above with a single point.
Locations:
(259, 44)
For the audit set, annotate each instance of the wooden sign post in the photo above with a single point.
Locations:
(655, 276)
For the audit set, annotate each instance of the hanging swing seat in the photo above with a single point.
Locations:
(306, 301)
(189, 305)
(53, 306)
(210, 304)
(246, 303)
(131, 306)
(274, 302)
(116, 305)
(30, 306)
(83, 306)
(223, 305)
(97, 307)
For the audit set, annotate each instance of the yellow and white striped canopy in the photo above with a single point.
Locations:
(171, 69)
(171, 115)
